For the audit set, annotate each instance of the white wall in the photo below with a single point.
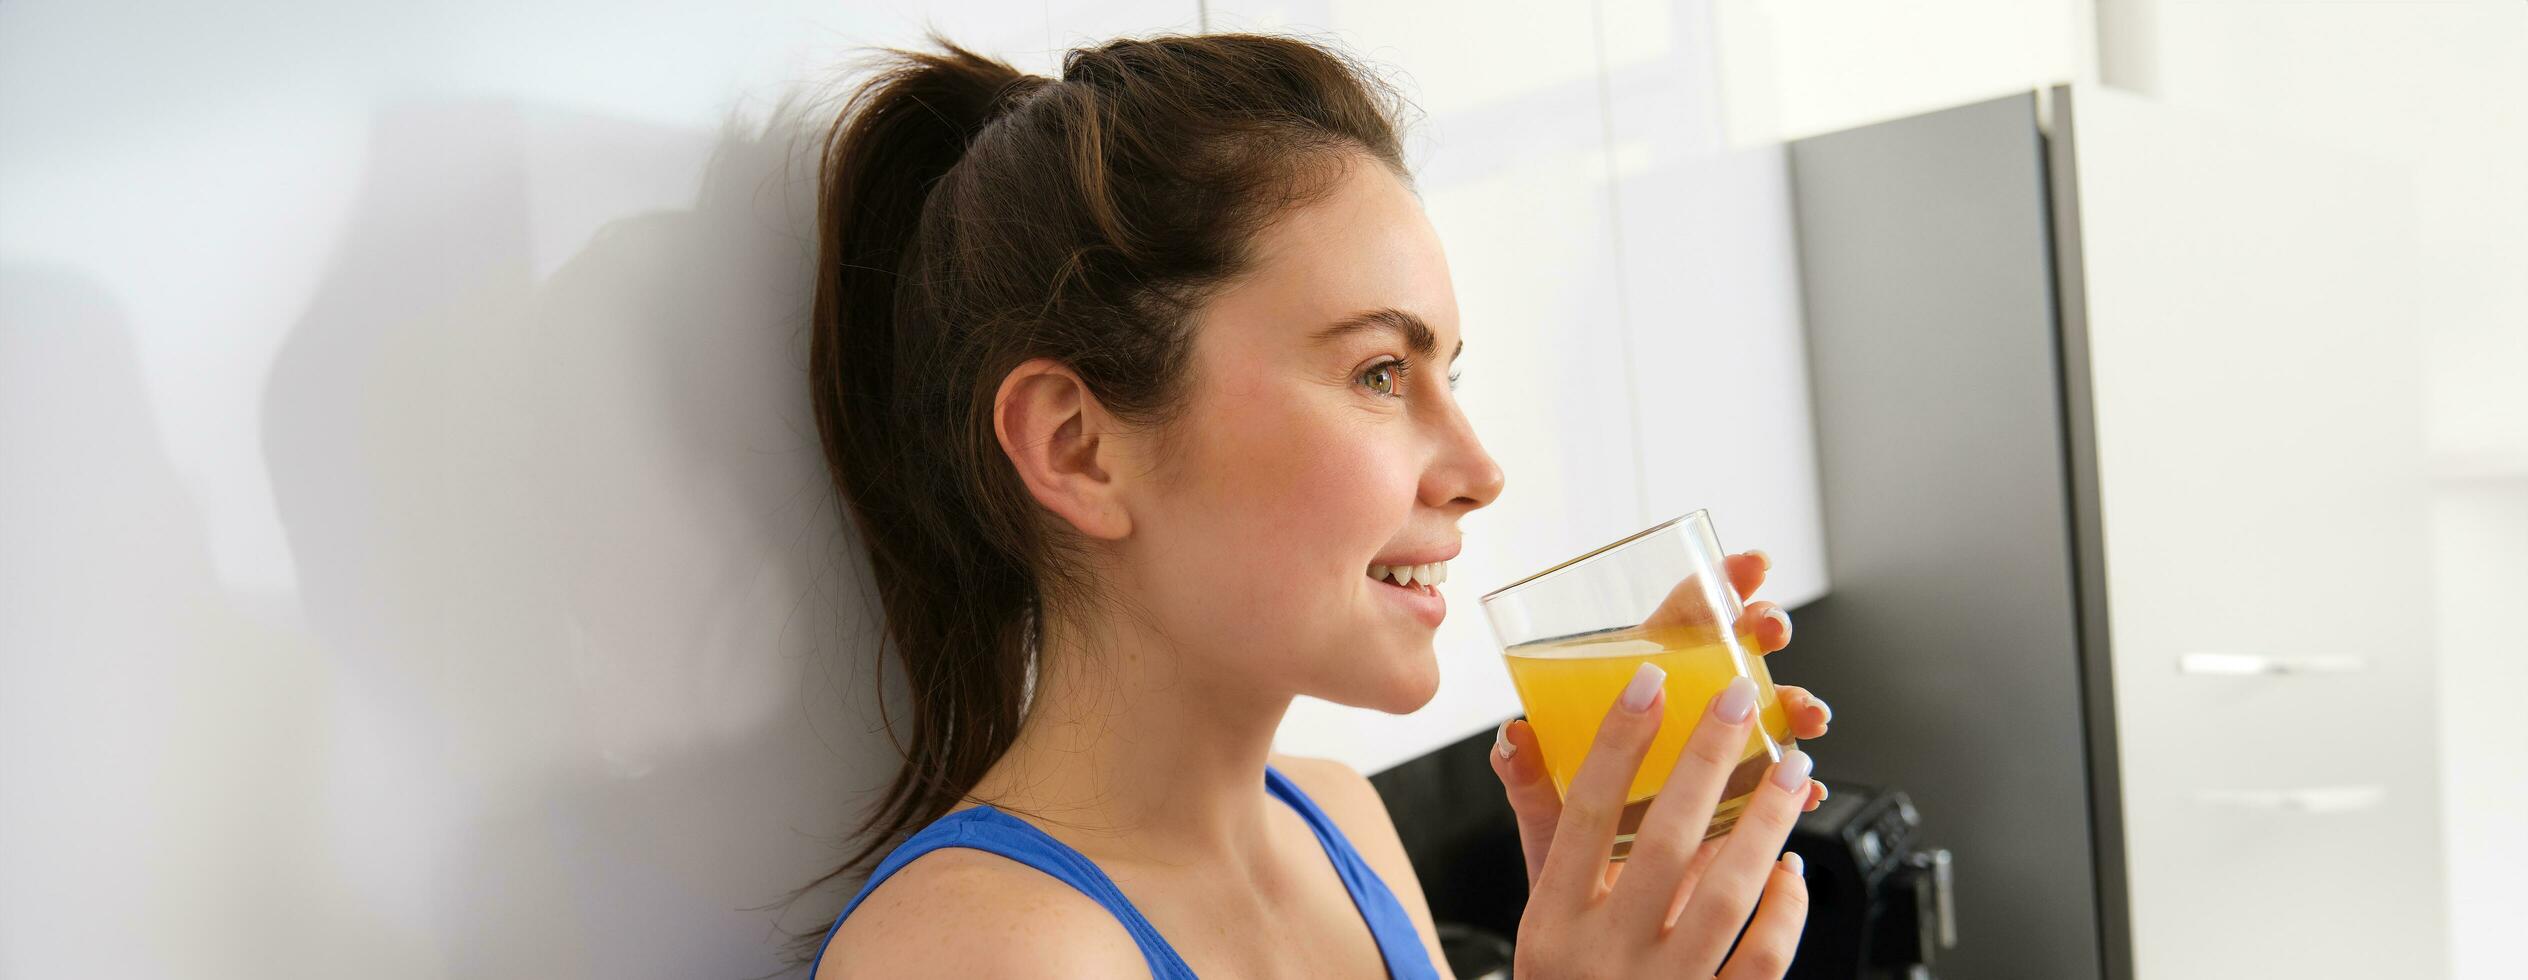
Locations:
(414, 555)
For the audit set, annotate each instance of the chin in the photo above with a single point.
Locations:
(1409, 681)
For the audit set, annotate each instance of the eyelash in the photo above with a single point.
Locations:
(1403, 369)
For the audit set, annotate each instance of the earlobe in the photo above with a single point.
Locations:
(1059, 439)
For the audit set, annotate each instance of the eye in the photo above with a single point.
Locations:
(1394, 373)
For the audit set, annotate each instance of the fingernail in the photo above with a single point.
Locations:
(1821, 706)
(1645, 686)
(1792, 772)
(1777, 615)
(1501, 742)
(1824, 792)
(1736, 701)
(1798, 867)
(1762, 557)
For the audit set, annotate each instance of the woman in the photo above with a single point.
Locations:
(1131, 379)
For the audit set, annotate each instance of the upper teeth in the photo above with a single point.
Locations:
(1409, 575)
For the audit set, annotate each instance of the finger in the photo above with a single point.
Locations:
(1520, 762)
(1808, 712)
(1678, 818)
(1584, 838)
(1693, 870)
(1690, 604)
(1817, 794)
(1747, 571)
(1764, 953)
(1771, 625)
(1711, 848)
(1728, 889)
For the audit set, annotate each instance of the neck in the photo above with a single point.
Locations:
(1128, 753)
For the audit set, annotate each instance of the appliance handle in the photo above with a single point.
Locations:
(2305, 799)
(1944, 891)
(2257, 664)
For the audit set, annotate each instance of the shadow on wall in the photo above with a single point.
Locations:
(147, 722)
(600, 654)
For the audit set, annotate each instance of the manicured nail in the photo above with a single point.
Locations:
(1824, 792)
(1762, 557)
(1821, 706)
(1777, 615)
(1645, 686)
(1501, 742)
(1736, 701)
(1798, 867)
(1792, 772)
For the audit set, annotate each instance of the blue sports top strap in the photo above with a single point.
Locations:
(986, 828)
(1398, 940)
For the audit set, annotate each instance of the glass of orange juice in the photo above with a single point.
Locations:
(1574, 634)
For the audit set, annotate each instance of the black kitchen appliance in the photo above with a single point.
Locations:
(1880, 905)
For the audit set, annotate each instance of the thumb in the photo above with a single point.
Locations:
(1520, 762)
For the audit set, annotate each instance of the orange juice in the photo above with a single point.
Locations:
(1569, 683)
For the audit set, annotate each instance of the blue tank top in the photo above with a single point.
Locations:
(985, 828)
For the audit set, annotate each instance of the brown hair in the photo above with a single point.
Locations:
(972, 218)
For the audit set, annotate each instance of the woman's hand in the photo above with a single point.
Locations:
(1568, 848)
(1520, 762)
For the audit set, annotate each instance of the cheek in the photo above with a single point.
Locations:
(1323, 493)
(1304, 495)
(1274, 515)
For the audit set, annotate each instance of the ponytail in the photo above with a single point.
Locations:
(953, 602)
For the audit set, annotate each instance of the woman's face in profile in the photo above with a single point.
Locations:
(1309, 453)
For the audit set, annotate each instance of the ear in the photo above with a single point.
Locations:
(1064, 445)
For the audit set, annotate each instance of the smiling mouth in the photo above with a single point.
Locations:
(1416, 578)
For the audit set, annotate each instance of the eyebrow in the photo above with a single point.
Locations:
(1417, 334)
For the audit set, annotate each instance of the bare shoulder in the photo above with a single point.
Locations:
(958, 911)
(1340, 790)
(1354, 805)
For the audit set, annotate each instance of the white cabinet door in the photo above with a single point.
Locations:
(2259, 445)
(1711, 300)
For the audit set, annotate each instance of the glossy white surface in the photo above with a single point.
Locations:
(2441, 88)
(2252, 306)
(1794, 68)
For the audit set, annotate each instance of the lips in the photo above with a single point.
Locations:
(1422, 601)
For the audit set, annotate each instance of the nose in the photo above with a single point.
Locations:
(1464, 476)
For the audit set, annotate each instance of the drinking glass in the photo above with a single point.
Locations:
(1574, 634)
